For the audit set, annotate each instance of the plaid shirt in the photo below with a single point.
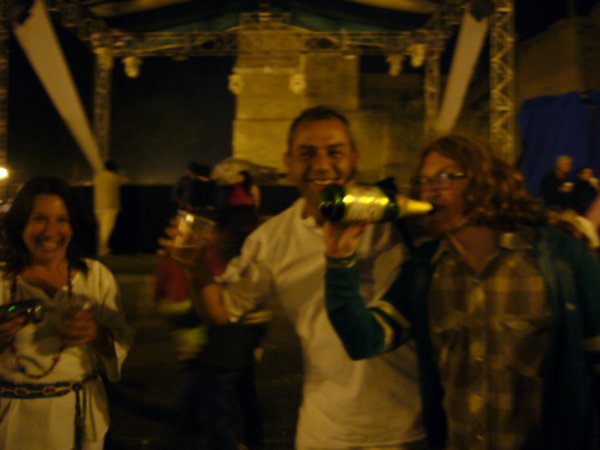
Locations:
(490, 332)
(502, 363)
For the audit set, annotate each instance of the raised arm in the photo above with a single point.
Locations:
(364, 331)
(206, 294)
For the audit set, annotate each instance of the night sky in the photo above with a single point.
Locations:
(174, 112)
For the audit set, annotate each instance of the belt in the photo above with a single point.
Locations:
(37, 390)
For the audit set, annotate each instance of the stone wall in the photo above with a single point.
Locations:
(270, 93)
(386, 112)
(563, 59)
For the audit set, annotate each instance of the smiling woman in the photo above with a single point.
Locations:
(53, 363)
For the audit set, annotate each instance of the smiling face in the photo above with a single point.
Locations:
(449, 201)
(320, 154)
(48, 230)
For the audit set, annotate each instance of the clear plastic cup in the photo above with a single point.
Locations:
(194, 231)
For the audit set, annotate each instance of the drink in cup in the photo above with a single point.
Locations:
(194, 231)
(568, 186)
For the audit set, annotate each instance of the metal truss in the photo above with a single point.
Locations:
(74, 17)
(258, 33)
(502, 79)
(102, 103)
(4, 60)
(264, 34)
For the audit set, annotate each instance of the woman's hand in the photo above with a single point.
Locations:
(78, 327)
(341, 239)
(9, 329)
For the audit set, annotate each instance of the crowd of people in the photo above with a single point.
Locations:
(476, 326)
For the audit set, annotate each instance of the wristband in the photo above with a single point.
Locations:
(341, 263)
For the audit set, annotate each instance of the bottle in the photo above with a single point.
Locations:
(353, 203)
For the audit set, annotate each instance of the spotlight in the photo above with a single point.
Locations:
(132, 66)
(418, 53)
(395, 62)
(4, 174)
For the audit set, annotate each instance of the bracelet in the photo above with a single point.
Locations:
(341, 263)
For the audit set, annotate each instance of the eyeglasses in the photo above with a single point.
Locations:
(441, 181)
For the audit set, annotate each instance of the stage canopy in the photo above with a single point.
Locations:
(134, 29)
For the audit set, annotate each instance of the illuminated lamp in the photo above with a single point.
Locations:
(132, 66)
(395, 63)
(418, 53)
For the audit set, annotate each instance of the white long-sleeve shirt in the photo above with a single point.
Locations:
(345, 403)
(47, 423)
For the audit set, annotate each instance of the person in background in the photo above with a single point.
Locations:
(107, 203)
(174, 305)
(195, 191)
(51, 395)
(503, 310)
(244, 191)
(345, 404)
(585, 189)
(557, 187)
(224, 372)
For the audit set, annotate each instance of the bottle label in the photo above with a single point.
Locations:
(365, 203)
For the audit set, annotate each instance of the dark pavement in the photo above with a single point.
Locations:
(144, 404)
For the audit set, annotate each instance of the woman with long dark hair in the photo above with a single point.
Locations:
(50, 393)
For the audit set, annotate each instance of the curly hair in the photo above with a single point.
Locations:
(496, 195)
(13, 251)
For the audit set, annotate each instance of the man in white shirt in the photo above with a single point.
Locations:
(346, 405)
(107, 203)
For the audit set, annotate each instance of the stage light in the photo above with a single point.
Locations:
(418, 53)
(4, 174)
(132, 66)
(395, 62)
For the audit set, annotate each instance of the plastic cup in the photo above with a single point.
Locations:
(567, 186)
(194, 231)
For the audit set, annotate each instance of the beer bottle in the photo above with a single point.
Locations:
(353, 203)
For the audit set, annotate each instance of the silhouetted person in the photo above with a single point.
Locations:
(195, 191)
(585, 190)
(557, 186)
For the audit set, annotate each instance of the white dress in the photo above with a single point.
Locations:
(346, 404)
(48, 423)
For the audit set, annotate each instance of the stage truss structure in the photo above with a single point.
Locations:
(254, 38)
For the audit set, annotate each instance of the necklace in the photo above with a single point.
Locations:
(13, 349)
